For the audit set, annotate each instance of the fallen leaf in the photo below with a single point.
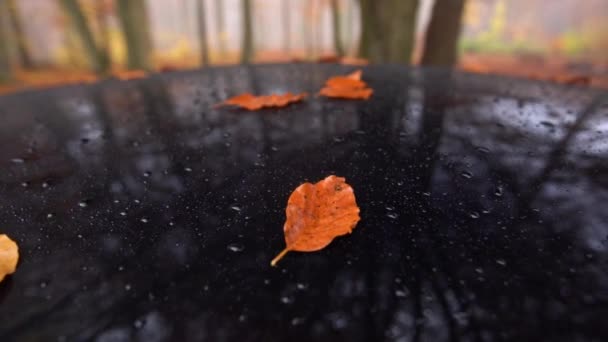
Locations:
(574, 80)
(317, 213)
(251, 102)
(126, 75)
(346, 60)
(9, 256)
(347, 87)
(354, 61)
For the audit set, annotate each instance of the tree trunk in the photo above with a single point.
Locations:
(337, 30)
(6, 70)
(23, 51)
(387, 30)
(220, 28)
(202, 32)
(348, 33)
(101, 15)
(286, 22)
(441, 41)
(136, 29)
(247, 48)
(97, 58)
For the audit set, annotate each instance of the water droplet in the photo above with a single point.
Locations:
(50, 215)
(467, 174)
(79, 236)
(235, 208)
(242, 318)
(498, 191)
(45, 185)
(187, 169)
(122, 213)
(121, 268)
(84, 268)
(17, 160)
(402, 293)
(144, 220)
(147, 174)
(338, 139)
(482, 149)
(286, 300)
(82, 204)
(479, 270)
(128, 287)
(302, 286)
(274, 148)
(297, 321)
(474, 214)
(501, 262)
(25, 184)
(236, 247)
(43, 284)
(392, 215)
(138, 324)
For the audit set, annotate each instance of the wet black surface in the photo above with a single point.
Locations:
(144, 214)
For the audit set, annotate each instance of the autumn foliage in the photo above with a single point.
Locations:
(347, 87)
(317, 213)
(252, 102)
(9, 256)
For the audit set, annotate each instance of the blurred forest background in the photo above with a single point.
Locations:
(50, 42)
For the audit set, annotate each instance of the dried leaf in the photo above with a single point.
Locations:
(251, 102)
(317, 213)
(346, 60)
(347, 87)
(126, 75)
(9, 256)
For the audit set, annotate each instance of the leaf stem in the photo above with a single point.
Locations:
(279, 257)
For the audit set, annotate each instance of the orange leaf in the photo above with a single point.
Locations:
(347, 87)
(347, 93)
(317, 213)
(126, 75)
(346, 60)
(9, 256)
(354, 61)
(251, 102)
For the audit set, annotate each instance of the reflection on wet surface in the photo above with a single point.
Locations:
(144, 214)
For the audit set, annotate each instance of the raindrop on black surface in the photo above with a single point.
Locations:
(17, 161)
(467, 174)
(482, 149)
(287, 299)
(83, 204)
(498, 191)
(392, 215)
(474, 214)
(236, 247)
